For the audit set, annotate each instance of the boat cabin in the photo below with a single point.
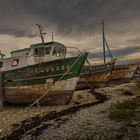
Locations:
(36, 53)
(51, 48)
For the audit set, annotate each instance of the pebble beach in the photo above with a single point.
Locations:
(92, 121)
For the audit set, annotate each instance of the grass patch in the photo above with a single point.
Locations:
(136, 90)
(123, 111)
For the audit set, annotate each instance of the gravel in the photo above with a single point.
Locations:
(13, 115)
(92, 122)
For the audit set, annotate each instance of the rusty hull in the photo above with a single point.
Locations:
(58, 93)
(126, 73)
(95, 80)
(121, 76)
(29, 94)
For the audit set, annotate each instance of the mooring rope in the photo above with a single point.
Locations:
(45, 93)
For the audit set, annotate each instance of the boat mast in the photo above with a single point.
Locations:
(52, 36)
(105, 44)
(42, 34)
(103, 33)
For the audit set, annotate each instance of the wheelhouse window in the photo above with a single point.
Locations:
(47, 50)
(15, 62)
(1, 64)
(63, 52)
(60, 52)
(55, 51)
(39, 51)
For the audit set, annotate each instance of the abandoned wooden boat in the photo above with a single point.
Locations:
(97, 75)
(107, 73)
(41, 70)
(119, 72)
(94, 76)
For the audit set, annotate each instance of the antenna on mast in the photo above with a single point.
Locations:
(42, 34)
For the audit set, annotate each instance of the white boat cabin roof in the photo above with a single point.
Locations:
(35, 54)
(47, 48)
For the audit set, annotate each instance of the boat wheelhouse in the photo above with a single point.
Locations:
(36, 53)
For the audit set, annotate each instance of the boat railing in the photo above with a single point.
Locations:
(72, 51)
(77, 52)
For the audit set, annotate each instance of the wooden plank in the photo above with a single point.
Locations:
(1, 91)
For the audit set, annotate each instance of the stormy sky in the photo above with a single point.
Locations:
(74, 22)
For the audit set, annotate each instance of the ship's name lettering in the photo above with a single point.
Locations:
(29, 72)
(57, 68)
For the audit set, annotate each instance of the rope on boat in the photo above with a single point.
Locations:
(45, 93)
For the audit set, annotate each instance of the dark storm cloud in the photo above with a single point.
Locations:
(70, 17)
(17, 32)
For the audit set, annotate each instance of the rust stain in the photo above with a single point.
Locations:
(97, 77)
(126, 72)
(93, 79)
(32, 93)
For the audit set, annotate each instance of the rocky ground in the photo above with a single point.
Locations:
(12, 115)
(90, 122)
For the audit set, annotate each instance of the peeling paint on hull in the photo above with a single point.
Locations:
(123, 73)
(60, 93)
(93, 79)
(98, 77)
(52, 98)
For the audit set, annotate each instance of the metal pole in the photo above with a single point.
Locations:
(1, 91)
(52, 36)
(103, 40)
(41, 33)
